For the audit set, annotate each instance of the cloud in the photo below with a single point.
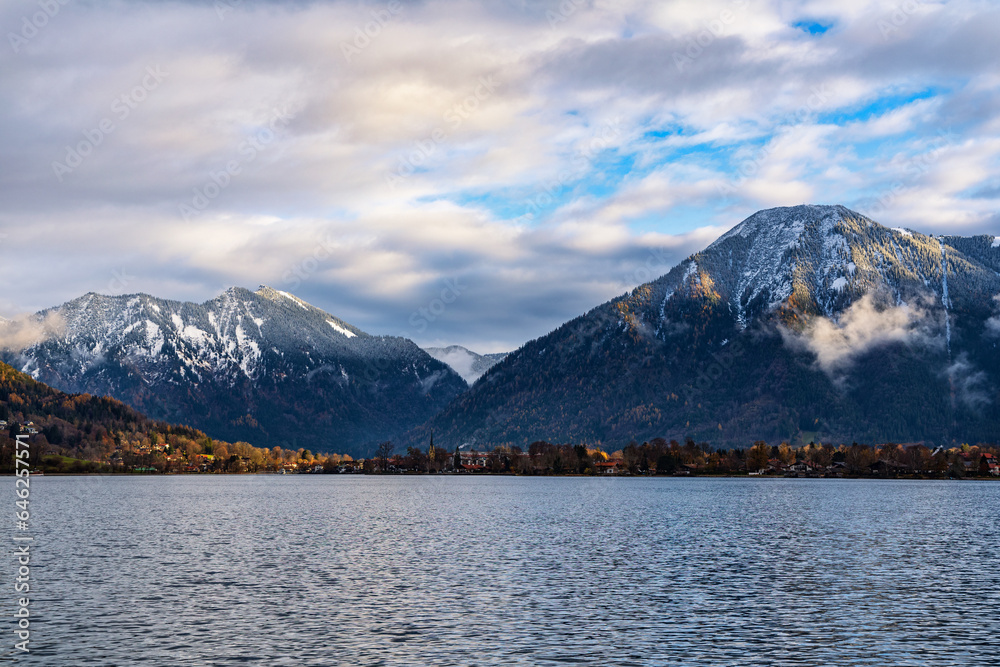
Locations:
(24, 331)
(993, 323)
(968, 384)
(861, 328)
(762, 114)
(461, 361)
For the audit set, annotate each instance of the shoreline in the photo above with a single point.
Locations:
(481, 474)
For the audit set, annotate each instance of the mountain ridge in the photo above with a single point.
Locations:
(264, 367)
(798, 294)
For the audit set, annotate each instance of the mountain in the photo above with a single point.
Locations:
(800, 323)
(264, 367)
(464, 361)
(87, 427)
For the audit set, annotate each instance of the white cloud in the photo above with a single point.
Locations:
(414, 96)
(993, 323)
(969, 384)
(861, 328)
(26, 330)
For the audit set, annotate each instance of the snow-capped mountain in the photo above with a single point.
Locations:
(800, 322)
(823, 258)
(470, 365)
(264, 366)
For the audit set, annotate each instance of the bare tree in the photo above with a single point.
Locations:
(383, 453)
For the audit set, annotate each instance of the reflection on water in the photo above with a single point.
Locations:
(343, 570)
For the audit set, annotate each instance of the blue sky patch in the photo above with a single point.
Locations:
(812, 27)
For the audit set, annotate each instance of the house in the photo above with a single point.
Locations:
(609, 467)
(805, 469)
(473, 458)
(989, 465)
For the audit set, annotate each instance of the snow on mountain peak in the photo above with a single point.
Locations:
(294, 299)
(757, 259)
(225, 336)
(782, 226)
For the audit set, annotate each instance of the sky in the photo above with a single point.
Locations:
(471, 173)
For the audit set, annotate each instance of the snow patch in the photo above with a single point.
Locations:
(195, 336)
(904, 232)
(996, 242)
(340, 329)
(839, 284)
(295, 299)
(945, 301)
(691, 270)
(154, 339)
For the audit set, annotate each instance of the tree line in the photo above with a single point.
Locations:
(662, 457)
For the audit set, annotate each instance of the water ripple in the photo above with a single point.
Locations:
(333, 570)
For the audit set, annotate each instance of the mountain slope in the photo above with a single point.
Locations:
(264, 366)
(799, 323)
(79, 425)
(464, 361)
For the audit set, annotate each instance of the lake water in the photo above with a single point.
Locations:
(363, 570)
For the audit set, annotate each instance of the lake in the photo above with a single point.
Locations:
(461, 570)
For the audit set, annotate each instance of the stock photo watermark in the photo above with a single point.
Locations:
(223, 7)
(657, 263)
(218, 180)
(121, 108)
(711, 31)
(579, 164)
(22, 543)
(363, 35)
(710, 372)
(120, 280)
(566, 9)
(749, 167)
(891, 23)
(302, 270)
(912, 169)
(31, 25)
(455, 116)
(422, 317)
